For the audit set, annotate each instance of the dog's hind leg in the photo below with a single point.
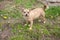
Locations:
(42, 18)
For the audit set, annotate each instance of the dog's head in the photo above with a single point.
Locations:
(25, 12)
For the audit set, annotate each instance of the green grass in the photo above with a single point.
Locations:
(27, 3)
(39, 30)
(23, 33)
(53, 11)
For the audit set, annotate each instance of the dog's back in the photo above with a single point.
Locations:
(36, 13)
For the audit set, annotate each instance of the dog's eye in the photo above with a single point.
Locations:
(27, 12)
(24, 12)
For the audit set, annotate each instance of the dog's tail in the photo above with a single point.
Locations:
(45, 7)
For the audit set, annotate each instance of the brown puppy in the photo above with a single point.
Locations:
(31, 15)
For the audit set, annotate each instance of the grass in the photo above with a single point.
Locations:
(53, 12)
(23, 33)
(26, 4)
(40, 31)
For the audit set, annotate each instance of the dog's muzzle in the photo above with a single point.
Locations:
(26, 15)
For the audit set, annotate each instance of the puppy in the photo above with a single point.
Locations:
(30, 15)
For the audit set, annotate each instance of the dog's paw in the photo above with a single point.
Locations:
(39, 20)
(44, 22)
(30, 28)
(29, 25)
(25, 24)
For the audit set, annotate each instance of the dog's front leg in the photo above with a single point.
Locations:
(31, 24)
(26, 23)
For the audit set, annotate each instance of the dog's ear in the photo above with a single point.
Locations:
(22, 9)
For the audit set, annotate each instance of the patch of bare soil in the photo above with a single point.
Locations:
(3, 4)
(5, 33)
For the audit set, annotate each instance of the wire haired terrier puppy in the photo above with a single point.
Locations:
(30, 15)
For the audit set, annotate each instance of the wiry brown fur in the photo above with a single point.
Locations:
(31, 15)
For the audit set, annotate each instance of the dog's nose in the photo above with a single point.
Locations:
(26, 15)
